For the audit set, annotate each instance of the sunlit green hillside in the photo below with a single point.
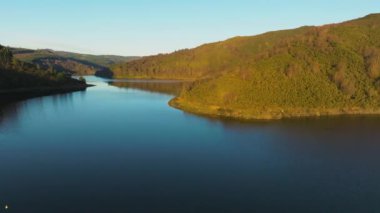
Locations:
(332, 69)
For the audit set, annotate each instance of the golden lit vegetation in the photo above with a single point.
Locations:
(332, 69)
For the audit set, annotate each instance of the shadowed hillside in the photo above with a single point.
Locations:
(332, 69)
(72, 63)
(19, 78)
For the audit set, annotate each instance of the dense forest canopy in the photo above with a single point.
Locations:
(331, 67)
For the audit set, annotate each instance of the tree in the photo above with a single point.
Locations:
(82, 79)
(372, 59)
(61, 76)
(6, 57)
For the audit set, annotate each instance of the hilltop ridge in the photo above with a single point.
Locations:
(70, 63)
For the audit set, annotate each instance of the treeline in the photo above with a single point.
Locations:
(16, 74)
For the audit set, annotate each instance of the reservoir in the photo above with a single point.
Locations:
(119, 147)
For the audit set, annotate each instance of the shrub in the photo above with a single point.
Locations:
(82, 79)
(61, 76)
(377, 85)
(372, 60)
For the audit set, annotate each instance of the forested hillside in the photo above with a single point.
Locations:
(70, 63)
(20, 76)
(332, 69)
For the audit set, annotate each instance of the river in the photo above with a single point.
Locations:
(119, 147)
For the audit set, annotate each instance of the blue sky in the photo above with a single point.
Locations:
(145, 27)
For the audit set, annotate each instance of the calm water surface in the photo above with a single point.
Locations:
(118, 147)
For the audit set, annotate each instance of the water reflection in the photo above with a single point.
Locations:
(9, 115)
(111, 149)
(300, 125)
(10, 111)
(154, 86)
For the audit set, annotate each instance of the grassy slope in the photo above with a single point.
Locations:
(333, 69)
(69, 62)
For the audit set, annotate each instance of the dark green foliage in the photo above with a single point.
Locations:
(104, 73)
(5, 57)
(81, 79)
(15, 74)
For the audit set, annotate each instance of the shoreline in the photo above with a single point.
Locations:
(25, 93)
(126, 77)
(250, 116)
(244, 115)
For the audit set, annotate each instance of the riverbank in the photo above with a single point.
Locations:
(265, 114)
(23, 93)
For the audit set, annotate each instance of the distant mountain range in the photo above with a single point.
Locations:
(73, 63)
(309, 71)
